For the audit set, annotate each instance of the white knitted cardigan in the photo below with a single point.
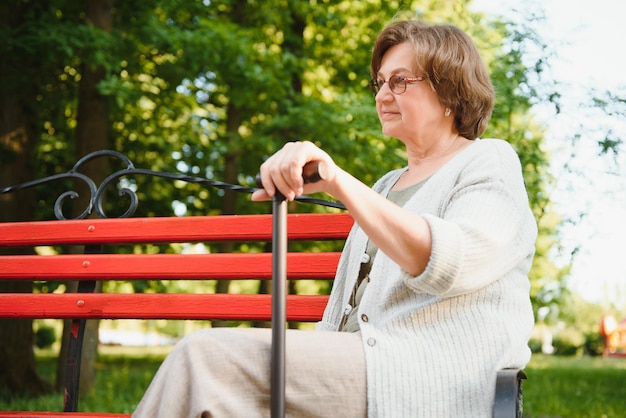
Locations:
(434, 342)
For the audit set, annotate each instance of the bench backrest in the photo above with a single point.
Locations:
(614, 334)
(212, 266)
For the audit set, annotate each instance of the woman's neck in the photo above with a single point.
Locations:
(422, 167)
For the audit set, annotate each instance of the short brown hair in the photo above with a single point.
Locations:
(448, 59)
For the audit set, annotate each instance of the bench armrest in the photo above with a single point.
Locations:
(508, 402)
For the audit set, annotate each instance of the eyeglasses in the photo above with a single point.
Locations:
(397, 84)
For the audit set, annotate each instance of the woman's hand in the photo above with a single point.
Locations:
(402, 235)
(283, 171)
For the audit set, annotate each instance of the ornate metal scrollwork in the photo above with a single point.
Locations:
(97, 192)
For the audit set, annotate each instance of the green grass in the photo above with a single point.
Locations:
(556, 386)
(122, 376)
(591, 387)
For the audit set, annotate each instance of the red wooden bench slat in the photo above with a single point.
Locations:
(232, 228)
(165, 266)
(182, 229)
(306, 308)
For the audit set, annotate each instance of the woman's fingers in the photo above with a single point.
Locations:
(260, 195)
(283, 171)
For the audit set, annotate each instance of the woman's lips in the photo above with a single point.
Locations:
(387, 114)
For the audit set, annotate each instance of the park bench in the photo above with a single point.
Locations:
(98, 262)
(614, 334)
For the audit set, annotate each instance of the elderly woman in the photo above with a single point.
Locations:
(431, 297)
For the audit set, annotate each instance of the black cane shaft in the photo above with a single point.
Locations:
(311, 173)
(279, 309)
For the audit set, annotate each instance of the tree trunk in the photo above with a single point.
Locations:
(92, 134)
(229, 202)
(17, 143)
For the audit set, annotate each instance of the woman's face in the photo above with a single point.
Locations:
(417, 112)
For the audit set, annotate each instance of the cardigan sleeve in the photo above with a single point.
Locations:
(484, 229)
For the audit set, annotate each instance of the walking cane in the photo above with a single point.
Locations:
(279, 305)
(312, 172)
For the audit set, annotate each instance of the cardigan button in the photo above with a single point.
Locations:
(371, 342)
(364, 318)
(347, 310)
(365, 258)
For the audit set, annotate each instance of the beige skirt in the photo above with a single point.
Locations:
(225, 373)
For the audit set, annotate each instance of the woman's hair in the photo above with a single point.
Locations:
(448, 59)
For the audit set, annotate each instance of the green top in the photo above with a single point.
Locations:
(351, 323)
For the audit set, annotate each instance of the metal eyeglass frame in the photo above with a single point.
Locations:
(395, 81)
